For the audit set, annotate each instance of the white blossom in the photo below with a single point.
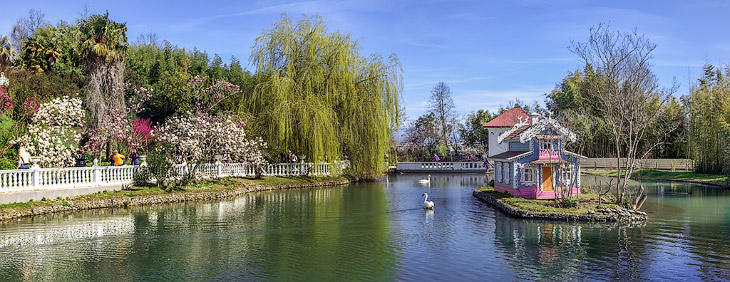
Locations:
(200, 137)
(54, 133)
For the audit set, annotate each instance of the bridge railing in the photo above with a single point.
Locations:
(441, 166)
(75, 177)
(659, 164)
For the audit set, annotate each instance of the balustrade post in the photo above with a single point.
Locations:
(219, 167)
(36, 177)
(97, 172)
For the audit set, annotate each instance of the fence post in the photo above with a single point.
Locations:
(36, 177)
(97, 172)
(219, 168)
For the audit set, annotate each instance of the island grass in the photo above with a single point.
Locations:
(653, 174)
(214, 185)
(587, 201)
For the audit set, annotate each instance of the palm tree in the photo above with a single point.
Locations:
(7, 52)
(104, 46)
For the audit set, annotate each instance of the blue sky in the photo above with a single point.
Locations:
(488, 52)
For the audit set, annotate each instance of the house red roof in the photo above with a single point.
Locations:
(508, 118)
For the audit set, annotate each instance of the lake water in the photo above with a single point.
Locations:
(372, 232)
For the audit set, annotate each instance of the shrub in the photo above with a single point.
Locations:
(142, 177)
(159, 167)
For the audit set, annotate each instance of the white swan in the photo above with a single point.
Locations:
(426, 203)
(425, 181)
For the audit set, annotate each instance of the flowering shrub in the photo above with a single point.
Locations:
(199, 136)
(6, 102)
(54, 132)
(63, 111)
(30, 106)
(142, 134)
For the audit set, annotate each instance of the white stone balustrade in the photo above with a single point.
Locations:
(76, 177)
(441, 167)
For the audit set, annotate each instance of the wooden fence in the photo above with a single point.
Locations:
(660, 164)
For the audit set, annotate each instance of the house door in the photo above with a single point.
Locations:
(547, 178)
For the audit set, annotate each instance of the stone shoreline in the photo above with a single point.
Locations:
(518, 213)
(158, 199)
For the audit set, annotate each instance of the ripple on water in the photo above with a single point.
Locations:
(370, 232)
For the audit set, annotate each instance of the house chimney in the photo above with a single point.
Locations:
(534, 118)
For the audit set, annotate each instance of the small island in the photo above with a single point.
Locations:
(535, 177)
(590, 207)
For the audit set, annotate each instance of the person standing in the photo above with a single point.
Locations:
(436, 158)
(117, 158)
(134, 157)
(23, 158)
(80, 159)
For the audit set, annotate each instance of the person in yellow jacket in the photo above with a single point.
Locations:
(118, 158)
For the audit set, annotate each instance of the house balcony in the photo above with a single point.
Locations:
(548, 154)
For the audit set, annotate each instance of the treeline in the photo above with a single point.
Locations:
(442, 133)
(168, 69)
(320, 98)
(708, 114)
(573, 104)
(695, 125)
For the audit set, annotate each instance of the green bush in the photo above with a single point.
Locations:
(142, 177)
(159, 168)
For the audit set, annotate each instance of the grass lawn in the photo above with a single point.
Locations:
(586, 201)
(653, 174)
(214, 185)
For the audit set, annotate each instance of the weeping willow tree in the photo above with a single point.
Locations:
(318, 97)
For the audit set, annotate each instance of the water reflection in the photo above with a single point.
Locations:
(374, 231)
(283, 235)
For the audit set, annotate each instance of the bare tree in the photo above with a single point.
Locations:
(85, 12)
(150, 39)
(26, 26)
(626, 93)
(442, 105)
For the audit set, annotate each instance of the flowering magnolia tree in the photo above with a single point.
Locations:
(199, 137)
(205, 99)
(119, 127)
(54, 132)
(135, 102)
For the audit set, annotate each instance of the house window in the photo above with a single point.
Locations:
(546, 145)
(498, 171)
(566, 176)
(506, 171)
(528, 175)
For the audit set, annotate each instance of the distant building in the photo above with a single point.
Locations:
(529, 157)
